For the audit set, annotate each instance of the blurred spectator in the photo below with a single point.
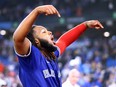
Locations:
(113, 84)
(72, 79)
(3, 83)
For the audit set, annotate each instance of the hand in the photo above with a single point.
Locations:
(94, 24)
(48, 10)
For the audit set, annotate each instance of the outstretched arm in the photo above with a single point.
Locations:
(70, 36)
(21, 43)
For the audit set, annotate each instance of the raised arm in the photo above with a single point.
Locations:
(70, 36)
(21, 43)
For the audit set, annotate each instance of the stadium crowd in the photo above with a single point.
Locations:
(16, 10)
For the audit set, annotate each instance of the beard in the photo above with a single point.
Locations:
(46, 45)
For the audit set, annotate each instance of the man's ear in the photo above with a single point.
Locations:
(37, 41)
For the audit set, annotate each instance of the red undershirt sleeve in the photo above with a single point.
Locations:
(70, 36)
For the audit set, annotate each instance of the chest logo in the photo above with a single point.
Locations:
(47, 74)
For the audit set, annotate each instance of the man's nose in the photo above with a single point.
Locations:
(50, 32)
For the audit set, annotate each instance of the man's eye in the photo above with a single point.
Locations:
(44, 32)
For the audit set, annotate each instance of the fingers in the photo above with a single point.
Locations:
(94, 24)
(99, 24)
(57, 12)
(97, 27)
(51, 10)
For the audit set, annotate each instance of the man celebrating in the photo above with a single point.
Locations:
(38, 52)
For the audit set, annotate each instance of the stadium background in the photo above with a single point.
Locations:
(93, 54)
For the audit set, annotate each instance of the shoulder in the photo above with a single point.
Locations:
(66, 83)
(32, 51)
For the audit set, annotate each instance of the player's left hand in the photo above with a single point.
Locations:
(94, 24)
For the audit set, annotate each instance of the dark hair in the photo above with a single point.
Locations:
(49, 55)
(31, 37)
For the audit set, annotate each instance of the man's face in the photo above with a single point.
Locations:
(44, 38)
(74, 76)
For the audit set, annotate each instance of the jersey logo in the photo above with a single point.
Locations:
(47, 74)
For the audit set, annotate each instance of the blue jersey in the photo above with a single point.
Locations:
(36, 71)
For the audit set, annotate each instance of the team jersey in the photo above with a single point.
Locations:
(36, 71)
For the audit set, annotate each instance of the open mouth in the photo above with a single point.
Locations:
(52, 39)
(54, 43)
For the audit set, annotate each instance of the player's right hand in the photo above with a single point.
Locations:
(48, 10)
(94, 24)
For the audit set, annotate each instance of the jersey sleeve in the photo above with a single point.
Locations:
(29, 61)
(26, 55)
(70, 36)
